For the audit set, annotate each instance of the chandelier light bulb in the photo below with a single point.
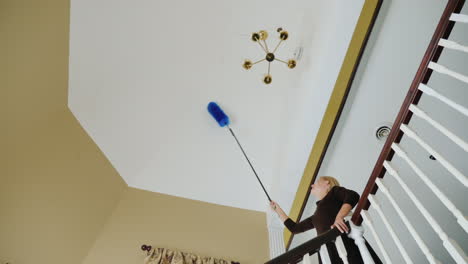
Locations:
(291, 64)
(247, 64)
(284, 35)
(255, 36)
(263, 34)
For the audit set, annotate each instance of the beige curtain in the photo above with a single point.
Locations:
(167, 256)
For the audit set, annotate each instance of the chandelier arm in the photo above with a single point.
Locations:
(281, 61)
(277, 46)
(263, 48)
(266, 46)
(258, 61)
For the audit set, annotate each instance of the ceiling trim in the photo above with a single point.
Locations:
(332, 114)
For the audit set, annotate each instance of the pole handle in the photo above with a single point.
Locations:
(245, 155)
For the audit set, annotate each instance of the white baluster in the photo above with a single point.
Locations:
(324, 255)
(461, 219)
(376, 206)
(410, 133)
(356, 234)
(444, 70)
(407, 223)
(341, 250)
(421, 114)
(368, 222)
(459, 18)
(452, 247)
(452, 45)
(428, 91)
(306, 259)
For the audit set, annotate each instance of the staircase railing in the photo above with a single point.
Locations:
(401, 128)
(303, 251)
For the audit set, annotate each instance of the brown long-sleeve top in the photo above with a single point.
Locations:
(326, 211)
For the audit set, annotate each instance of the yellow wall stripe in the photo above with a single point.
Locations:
(338, 97)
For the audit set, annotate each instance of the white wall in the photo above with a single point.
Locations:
(395, 50)
(329, 26)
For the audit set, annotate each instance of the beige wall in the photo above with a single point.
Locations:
(58, 191)
(56, 194)
(56, 188)
(165, 221)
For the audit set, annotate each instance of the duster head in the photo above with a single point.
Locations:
(218, 114)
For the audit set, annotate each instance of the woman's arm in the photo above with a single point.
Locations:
(339, 220)
(289, 223)
(282, 215)
(350, 199)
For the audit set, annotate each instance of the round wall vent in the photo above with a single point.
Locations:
(382, 132)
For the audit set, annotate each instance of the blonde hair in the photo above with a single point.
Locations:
(331, 180)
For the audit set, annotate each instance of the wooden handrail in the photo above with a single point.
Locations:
(312, 246)
(443, 30)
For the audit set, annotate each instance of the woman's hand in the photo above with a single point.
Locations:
(275, 207)
(340, 224)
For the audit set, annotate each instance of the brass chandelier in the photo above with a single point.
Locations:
(260, 37)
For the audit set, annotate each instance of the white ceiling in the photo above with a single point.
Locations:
(142, 72)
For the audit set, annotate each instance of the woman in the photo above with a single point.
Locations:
(334, 203)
